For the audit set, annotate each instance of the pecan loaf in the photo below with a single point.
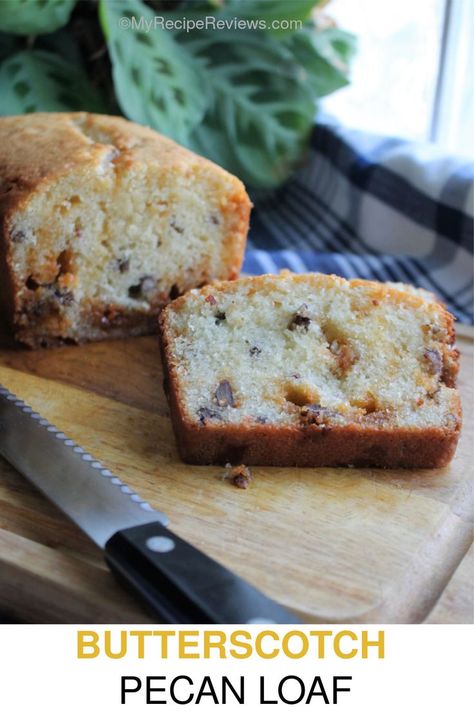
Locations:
(311, 370)
(103, 221)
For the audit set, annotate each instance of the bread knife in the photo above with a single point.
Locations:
(177, 582)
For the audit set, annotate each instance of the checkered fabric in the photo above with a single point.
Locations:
(376, 208)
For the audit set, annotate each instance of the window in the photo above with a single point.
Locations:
(414, 72)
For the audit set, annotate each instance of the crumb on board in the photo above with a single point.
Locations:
(239, 476)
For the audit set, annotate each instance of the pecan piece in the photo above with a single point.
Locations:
(17, 236)
(32, 284)
(205, 414)
(317, 415)
(450, 369)
(143, 289)
(452, 421)
(78, 229)
(220, 316)
(224, 395)
(433, 362)
(177, 228)
(174, 292)
(123, 265)
(301, 319)
(241, 476)
(64, 296)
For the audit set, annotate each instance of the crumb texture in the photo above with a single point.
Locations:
(312, 351)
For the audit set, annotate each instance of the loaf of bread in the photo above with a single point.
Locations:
(311, 370)
(103, 221)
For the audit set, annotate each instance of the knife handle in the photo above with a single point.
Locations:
(182, 585)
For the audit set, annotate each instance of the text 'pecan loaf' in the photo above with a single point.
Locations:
(103, 221)
(311, 370)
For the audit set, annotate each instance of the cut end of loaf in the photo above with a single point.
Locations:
(300, 359)
(125, 222)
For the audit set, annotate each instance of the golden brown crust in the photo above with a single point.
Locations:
(7, 287)
(62, 142)
(350, 444)
(312, 447)
(375, 290)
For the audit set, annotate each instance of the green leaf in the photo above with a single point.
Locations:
(34, 17)
(199, 5)
(325, 55)
(62, 43)
(261, 110)
(8, 45)
(155, 79)
(274, 16)
(40, 81)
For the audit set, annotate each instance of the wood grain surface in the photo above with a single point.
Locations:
(333, 545)
(456, 604)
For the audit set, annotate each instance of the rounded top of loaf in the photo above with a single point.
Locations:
(39, 147)
(393, 292)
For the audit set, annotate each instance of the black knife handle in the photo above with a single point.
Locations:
(182, 585)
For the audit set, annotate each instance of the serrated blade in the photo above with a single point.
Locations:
(86, 491)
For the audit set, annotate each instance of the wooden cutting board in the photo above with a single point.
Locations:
(333, 545)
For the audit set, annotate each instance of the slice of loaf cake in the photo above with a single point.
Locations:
(103, 221)
(311, 370)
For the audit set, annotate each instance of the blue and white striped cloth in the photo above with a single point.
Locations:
(376, 208)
